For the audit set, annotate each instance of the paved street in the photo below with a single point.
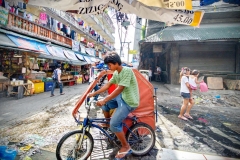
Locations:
(46, 119)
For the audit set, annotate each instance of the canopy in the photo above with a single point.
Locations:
(57, 53)
(80, 57)
(173, 12)
(88, 59)
(5, 41)
(71, 55)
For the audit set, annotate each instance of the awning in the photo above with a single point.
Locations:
(88, 59)
(24, 43)
(80, 57)
(57, 53)
(90, 51)
(44, 52)
(93, 59)
(73, 59)
(5, 41)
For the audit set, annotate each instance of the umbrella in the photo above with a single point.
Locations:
(171, 12)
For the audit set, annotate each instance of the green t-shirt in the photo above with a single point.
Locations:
(126, 78)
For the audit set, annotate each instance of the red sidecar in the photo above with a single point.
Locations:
(144, 112)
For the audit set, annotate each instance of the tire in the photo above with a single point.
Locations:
(63, 151)
(145, 141)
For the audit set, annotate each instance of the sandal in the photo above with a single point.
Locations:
(126, 154)
(188, 116)
(183, 118)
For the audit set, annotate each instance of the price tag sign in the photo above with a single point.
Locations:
(169, 4)
(186, 17)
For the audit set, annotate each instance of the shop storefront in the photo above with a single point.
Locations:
(28, 64)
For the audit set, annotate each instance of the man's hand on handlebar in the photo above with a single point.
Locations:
(91, 95)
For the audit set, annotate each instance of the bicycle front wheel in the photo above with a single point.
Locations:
(69, 147)
(141, 138)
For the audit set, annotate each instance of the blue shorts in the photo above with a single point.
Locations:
(122, 111)
(185, 95)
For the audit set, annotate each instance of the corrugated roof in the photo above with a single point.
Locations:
(204, 32)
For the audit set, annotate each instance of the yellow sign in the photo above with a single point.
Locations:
(132, 51)
(169, 4)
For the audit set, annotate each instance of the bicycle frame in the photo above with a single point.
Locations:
(90, 124)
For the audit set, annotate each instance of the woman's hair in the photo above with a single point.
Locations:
(183, 71)
(195, 72)
(112, 57)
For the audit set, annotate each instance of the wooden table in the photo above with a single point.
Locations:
(19, 94)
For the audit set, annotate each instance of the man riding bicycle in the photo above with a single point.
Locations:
(125, 98)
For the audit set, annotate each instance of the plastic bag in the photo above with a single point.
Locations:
(203, 87)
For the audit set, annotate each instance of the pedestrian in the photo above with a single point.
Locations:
(57, 79)
(125, 98)
(150, 74)
(92, 76)
(186, 93)
(159, 70)
(193, 79)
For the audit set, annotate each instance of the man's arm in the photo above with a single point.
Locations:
(114, 94)
(102, 73)
(59, 76)
(104, 88)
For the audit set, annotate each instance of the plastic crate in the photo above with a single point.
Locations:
(39, 87)
(74, 73)
(48, 86)
(71, 83)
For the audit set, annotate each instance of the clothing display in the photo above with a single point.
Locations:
(43, 18)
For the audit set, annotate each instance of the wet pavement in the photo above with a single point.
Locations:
(215, 125)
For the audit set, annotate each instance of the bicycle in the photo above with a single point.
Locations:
(79, 144)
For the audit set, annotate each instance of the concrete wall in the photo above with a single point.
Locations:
(174, 64)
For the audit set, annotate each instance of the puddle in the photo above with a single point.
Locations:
(212, 129)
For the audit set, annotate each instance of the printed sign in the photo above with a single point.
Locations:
(132, 52)
(164, 10)
(169, 4)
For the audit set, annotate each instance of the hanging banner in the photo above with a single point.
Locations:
(3, 16)
(169, 15)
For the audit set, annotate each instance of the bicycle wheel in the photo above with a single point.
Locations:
(141, 139)
(68, 147)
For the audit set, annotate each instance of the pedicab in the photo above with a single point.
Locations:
(138, 127)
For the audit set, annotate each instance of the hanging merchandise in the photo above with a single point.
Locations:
(35, 65)
(66, 66)
(43, 18)
(46, 66)
(68, 31)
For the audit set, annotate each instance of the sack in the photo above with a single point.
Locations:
(203, 87)
(55, 75)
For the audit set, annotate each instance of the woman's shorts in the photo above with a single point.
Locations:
(185, 95)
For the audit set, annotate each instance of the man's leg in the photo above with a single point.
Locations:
(53, 87)
(120, 114)
(61, 87)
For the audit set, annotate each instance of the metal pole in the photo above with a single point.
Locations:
(128, 52)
